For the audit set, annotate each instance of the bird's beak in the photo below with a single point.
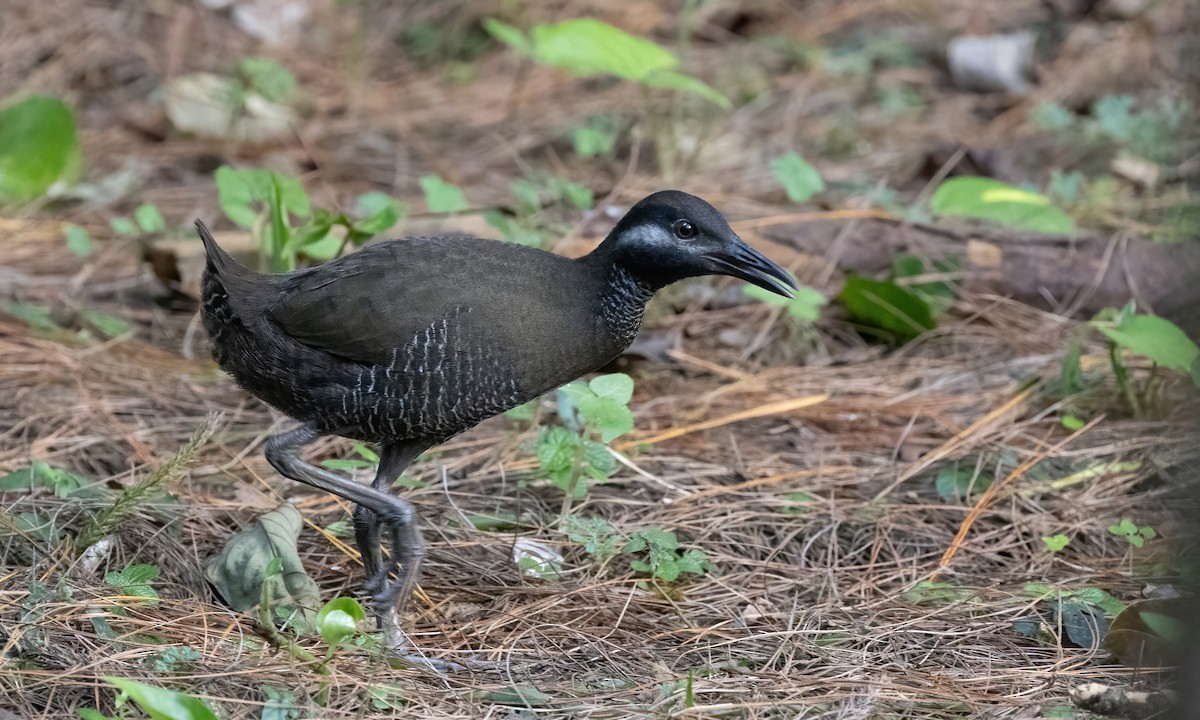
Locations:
(746, 263)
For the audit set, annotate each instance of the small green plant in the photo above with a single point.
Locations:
(1155, 132)
(158, 703)
(264, 77)
(799, 179)
(135, 580)
(530, 222)
(595, 413)
(588, 47)
(596, 137)
(660, 557)
(1137, 536)
(986, 199)
(39, 148)
(598, 537)
(42, 474)
(1155, 338)
(1055, 543)
(266, 202)
(442, 196)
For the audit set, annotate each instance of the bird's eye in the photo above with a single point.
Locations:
(684, 229)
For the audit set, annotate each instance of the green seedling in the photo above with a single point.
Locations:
(660, 557)
(1136, 536)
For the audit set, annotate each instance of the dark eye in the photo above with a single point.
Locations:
(684, 229)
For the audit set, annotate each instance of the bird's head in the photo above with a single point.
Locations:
(672, 235)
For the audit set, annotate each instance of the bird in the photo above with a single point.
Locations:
(407, 343)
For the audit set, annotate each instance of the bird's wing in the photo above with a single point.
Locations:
(366, 305)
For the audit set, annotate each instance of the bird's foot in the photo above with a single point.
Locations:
(398, 649)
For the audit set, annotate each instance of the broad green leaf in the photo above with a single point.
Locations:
(237, 190)
(161, 704)
(123, 226)
(239, 571)
(338, 619)
(135, 581)
(92, 714)
(79, 242)
(441, 196)
(678, 81)
(38, 148)
(1154, 337)
(887, 306)
(586, 47)
(149, 219)
(509, 35)
(614, 386)
(799, 179)
(987, 199)
(610, 418)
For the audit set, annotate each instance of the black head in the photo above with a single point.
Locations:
(672, 235)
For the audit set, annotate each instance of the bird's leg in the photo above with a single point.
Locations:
(407, 545)
(383, 508)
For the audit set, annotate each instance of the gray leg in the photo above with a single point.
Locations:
(408, 547)
(382, 508)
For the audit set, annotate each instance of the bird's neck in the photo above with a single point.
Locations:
(622, 298)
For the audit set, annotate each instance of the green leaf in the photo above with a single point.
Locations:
(678, 81)
(805, 306)
(556, 449)
(587, 47)
(268, 78)
(79, 242)
(41, 474)
(1154, 337)
(987, 199)
(38, 148)
(614, 386)
(239, 571)
(509, 35)
(161, 704)
(1054, 543)
(91, 714)
(109, 326)
(519, 695)
(799, 179)
(598, 136)
(1072, 423)
(954, 483)
(135, 581)
(608, 417)
(237, 190)
(149, 219)
(887, 306)
(37, 317)
(441, 196)
(338, 620)
(379, 212)
(123, 226)
(1124, 528)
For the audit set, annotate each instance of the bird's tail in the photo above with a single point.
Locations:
(219, 261)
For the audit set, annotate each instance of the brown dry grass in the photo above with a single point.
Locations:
(806, 616)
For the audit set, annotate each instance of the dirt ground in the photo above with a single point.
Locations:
(803, 461)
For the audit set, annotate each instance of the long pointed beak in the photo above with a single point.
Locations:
(748, 264)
